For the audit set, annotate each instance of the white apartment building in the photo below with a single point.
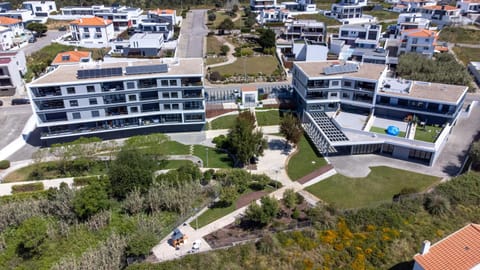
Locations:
(140, 45)
(257, 5)
(24, 15)
(15, 25)
(119, 98)
(348, 9)
(13, 66)
(160, 21)
(310, 30)
(441, 15)
(40, 8)
(421, 41)
(92, 32)
(468, 6)
(412, 21)
(6, 38)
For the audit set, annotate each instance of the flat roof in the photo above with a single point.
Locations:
(315, 69)
(67, 74)
(430, 91)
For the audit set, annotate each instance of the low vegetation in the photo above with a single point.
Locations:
(27, 187)
(224, 122)
(427, 133)
(269, 118)
(305, 161)
(467, 55)
(253, 65)
(460, 35)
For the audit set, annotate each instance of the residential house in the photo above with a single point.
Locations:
(71, 58)
(24, 15)
(359, 42)
(92, 32)
(13, 66)
(459, 250)
(140, 44)
(257, 5)
(15, 25)
(323, 88)
(421, 41)
(305, 29)
(408, 21)
(348, 10)
(119, 98)
(160, 21)
(4, 6)
(468, 6)
(442, 15)
(273, 15)
(40, 8)
(415, 5)
(6, 38)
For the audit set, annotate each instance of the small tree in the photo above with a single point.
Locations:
(226, 25)
(267, 39)
(212, 17)
(263, 214)
(224, 49)
(475, 153)
(37, 27)
(30, 235)
(291, 128)
(235, 8)
(91, 199)
(290, 198)
(228, 195)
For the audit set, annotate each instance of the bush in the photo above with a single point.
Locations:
(216, 76)
(83, 181)
(27, 187)
(4, 164)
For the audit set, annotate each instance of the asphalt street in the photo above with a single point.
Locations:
(13, 120)
(41, 42)
(192, 35)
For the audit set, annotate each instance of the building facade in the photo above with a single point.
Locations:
(40, 8)
(420, 41)
(92, 32)
(13, 66)
(323, 89)
(113, 99)
(348, 9)
(15, 25)
(310, 30)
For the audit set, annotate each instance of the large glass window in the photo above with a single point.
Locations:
(73, 103)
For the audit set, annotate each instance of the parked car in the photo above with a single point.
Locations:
(20, 101)
(62, 28)
(32, 39)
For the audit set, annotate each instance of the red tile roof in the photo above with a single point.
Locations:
(419, 33)
(248, 88)
(5, 60)
(458, 251)
(94, 21)
(437, 7)
(163, 11)
(8, 21)
(73, 57)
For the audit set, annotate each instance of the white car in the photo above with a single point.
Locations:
(196, 245)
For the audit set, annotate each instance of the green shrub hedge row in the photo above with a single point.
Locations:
(83, 181)
(4, 164)
(27, 187)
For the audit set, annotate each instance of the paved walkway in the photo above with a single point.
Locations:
(6, 189)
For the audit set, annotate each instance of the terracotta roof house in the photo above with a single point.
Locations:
(458, 251)
(71, 57)
(15, 25)
(92, 32)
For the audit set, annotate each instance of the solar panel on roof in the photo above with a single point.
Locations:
(99, 73)
(338, 69)
(148, 69)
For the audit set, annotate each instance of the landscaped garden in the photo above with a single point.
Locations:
(427, 133)
(378, 187)
(224, 122)
(268, 118)
(216, 158)
(252, 65)
(305, 161)
(384, 131)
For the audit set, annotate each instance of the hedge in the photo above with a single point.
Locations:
(27, 187)
(83, 181)
(4, 164)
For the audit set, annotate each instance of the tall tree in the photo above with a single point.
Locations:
(91, 199)
(291, 128)
(226, 25)
(244, 141)
(267, 39)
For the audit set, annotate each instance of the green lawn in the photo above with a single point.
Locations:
(268, 118)
(384, 131)
(305, 161)
(382, 15)
(460, 35)
(251, 65)
(467, 55)
(215, 60)
(379, 186)
(427, 134)
(319, 18)
(224, 122)
(174, 148)
(211, 215)
(213, 45)
(216, 159)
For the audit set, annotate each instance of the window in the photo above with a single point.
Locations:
(173, 82)
(87, 36)
(70, 90)
(164, 82)
(345, 95)
(347, 84)
(335, 83)
(167, 107)
(95, 113)
(73, 103)
(334, 94)
(425, 48)
(174, 95)
(134, 109)
(132, 98)
(130, 85)
(166, 94)
(85, 29)
(76, 115)
(90, 88)
(98, 30)
(93, 101)
(175, 107)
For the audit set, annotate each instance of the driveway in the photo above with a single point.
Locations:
(13, 120)
(192, 35)
(41, 42)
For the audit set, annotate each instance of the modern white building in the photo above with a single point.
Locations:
(341, 102)
(119, 98)
(92, 32)
(420, 41)
(140, 45)
(257, 5)
(408, 21)
(468, 6)
(24, 15)
(6, 38)
(15, 25)
(306, 30)
(40, 8)
(348, 9)
(122, 17)
(442, 15)
(13, 66)
(160, 21)
(415, 5)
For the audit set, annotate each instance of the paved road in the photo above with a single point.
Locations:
(192, 35)
(41, 42)
(13, 120)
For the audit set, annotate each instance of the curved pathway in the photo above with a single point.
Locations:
(230, 57)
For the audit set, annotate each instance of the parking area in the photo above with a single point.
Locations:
(15, 118)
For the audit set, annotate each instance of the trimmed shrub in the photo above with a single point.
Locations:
(83, 181)
(4, 164)
(27, 187)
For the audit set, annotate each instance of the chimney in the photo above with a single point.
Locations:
(425, 247)
(443, 7)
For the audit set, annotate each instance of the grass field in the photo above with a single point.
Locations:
(174, 148)
(467, 55)
(215, 60)
(211, 215)
(213, 45)
(224, 122)
(379, 186)
(382, 15)
(460, 35)
(305, 161)
(175, 164)
(216, 159)
(427, 134)
(251, 65)
(319, 18)
(268, 118)
(384, 131)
